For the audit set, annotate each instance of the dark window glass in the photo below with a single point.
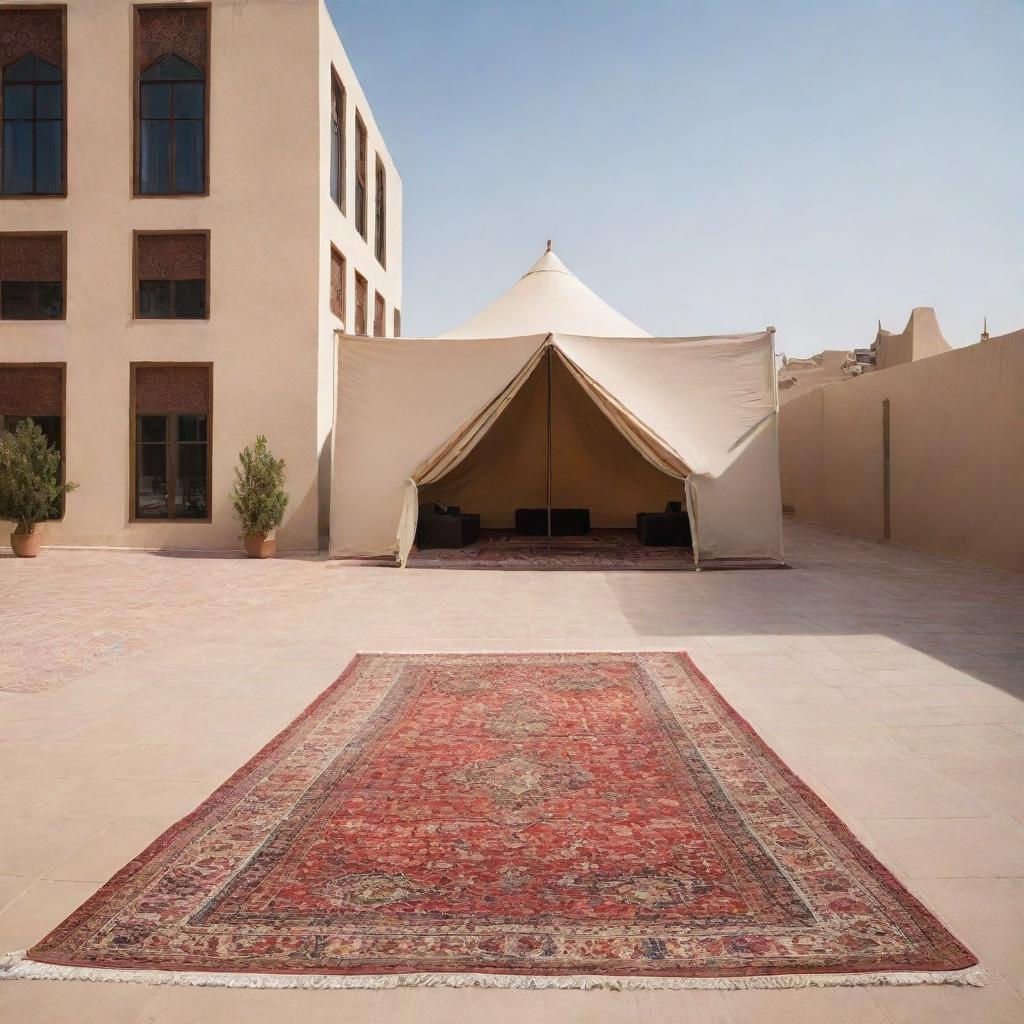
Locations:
(172, 129)
(156, 100)
(177, 467)
(188, 156)
(189, 299)
(167, 300)
(31, 300)
(153, 428)
(33, 128)
(155, 300)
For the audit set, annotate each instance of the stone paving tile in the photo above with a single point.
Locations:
(892, 682)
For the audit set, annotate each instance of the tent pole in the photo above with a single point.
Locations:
(549, 451)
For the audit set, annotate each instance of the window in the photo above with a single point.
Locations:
(398, 322)
(360, 176)
(171, 276)
(171, 441)
(380, 211)
(378, 315)
(338, 284)
(171, 49)
(36, 391)
(32, 100)
(32, 277)
(361, 301)
(337, 141)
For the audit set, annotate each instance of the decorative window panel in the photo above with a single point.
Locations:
(378, 315)
(380, 213)
(178, 389)
(172, 257)
(361, 173)
(337, 284)
(31, 390)
(25, 30)
(31, 258)
(398, 322)
(184, 30)
(362, 299)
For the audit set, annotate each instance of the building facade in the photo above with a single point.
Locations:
(193, 198)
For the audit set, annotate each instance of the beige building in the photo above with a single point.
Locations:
(193, 198)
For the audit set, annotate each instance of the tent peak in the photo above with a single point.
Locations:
(548, 262)
(548, 298)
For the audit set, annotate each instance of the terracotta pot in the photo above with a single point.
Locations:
(259, 545)
(26, 545)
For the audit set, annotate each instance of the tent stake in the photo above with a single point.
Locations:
(549, 450)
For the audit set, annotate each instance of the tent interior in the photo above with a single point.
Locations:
(592, 466)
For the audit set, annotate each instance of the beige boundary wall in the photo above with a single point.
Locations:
(955, 454)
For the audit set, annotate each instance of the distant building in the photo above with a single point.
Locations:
(919, 339)
(193, 198)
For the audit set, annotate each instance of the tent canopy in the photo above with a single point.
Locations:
(699, 410)
(548, 297)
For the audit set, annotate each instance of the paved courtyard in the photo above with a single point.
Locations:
(132, 684)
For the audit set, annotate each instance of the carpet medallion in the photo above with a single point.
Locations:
(519, 818)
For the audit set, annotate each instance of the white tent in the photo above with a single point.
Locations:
(637, 418)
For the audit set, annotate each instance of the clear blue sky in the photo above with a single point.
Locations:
(708, 166)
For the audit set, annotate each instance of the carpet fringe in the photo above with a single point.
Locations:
(17, 967)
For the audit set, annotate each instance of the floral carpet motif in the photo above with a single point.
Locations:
(539, 815)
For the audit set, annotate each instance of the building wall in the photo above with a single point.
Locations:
(956, 453)
(269, 263)
(339, 229)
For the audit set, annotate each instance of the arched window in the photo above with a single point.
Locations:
(33, 114)
(172, 128)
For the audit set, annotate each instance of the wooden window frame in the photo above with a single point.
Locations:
(338, 88)
(63, 367)
(362, 287)
(64, 107)
(380, 307)
(63, 236)
(205, 232)
(396, 316)
(362, 155)
(336, 252)
(133, 416)
(380, 211)
(136, 73)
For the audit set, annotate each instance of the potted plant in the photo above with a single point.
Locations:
(30, 485)
(259, 497)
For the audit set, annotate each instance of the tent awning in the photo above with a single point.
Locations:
(703, 407)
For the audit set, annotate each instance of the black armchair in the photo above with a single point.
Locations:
(440, 527)
(670, 528)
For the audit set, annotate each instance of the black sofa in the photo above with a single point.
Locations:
(670, 528)
(441, 527)
(565, 522)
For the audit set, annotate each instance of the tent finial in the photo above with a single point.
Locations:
(549, 245)
(984, 330)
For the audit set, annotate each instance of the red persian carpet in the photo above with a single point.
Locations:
(523, 820)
